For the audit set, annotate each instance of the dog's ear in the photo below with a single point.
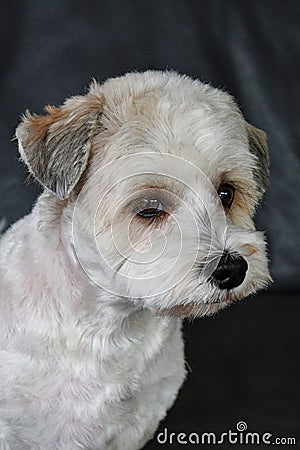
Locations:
(56, 146)
(259, 147)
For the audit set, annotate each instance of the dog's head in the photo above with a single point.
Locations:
(163, 175)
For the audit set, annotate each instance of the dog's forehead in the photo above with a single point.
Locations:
(169, 113)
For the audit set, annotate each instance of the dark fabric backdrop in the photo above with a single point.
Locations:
(248, 366)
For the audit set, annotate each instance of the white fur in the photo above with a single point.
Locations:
(90, 358)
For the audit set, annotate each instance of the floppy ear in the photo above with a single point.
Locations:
(56, 146)
(259, 147)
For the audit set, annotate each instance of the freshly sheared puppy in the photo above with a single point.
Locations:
(151, 181)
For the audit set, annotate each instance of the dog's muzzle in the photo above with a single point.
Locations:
(230, 271)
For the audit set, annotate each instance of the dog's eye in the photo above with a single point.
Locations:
(149, 208)
(226, 194)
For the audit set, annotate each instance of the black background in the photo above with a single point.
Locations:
(245, 362)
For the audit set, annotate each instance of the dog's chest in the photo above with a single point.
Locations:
(91, 390)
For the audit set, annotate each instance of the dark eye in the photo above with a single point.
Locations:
(226, 194)
(149, 208)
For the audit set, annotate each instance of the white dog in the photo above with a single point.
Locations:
(151, 182)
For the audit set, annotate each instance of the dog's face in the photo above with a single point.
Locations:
(162, 175)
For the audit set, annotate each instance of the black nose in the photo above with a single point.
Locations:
(230, 271)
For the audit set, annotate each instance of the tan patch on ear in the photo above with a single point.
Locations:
(39, 125)
(56, 146)
(70, 110)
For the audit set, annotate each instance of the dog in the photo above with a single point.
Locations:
(151, 181)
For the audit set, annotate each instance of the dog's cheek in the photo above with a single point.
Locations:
(241, 218)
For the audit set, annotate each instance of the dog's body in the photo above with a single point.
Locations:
(87, 362)
(65, 384)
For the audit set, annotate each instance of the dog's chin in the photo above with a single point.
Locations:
(193, 310)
